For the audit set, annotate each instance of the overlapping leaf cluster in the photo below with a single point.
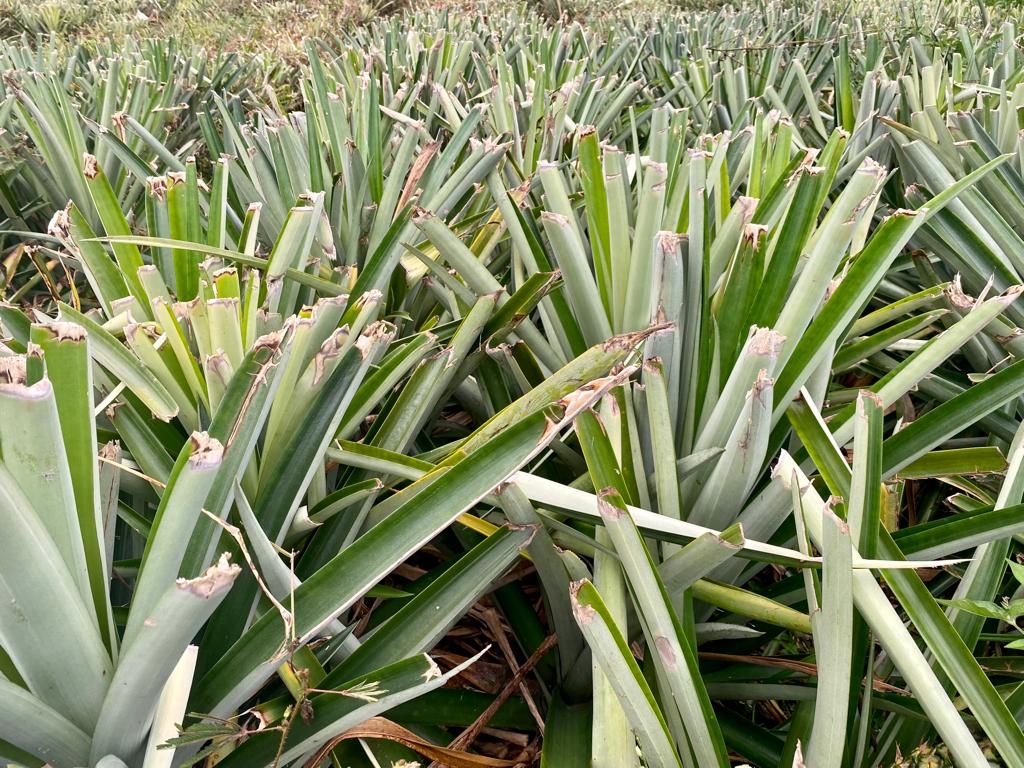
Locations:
(691, 345)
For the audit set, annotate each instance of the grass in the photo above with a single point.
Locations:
(277, 26)
(640, 388)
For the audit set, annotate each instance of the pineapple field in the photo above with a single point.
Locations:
(505, 385)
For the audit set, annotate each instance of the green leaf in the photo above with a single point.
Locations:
(951, 417)
(428, 616)
(447, 492)
(673, 654)
(833, 646)
(48, 631)
(888, 627)
(151, 655)
(113, 356)
(30, 725)
(612, 653)
(979, 608)
(66, 353)
(195, 470)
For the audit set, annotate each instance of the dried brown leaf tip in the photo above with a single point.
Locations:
(12, 369)
(609, 504)
(13, 375)
(329, 351)
(584, 614)
(1012, 293)
(754, 235)
(433, 671)
(110, 451)
(146, 269)
(217, 364)
(530, 528)
(872, 167)
(271, 341)
(90, 167)
(555, 218)
(865, 396)
(125, 304)
(765, 342)
(60, 224)
(762, 383)
(207, 452)
(552, 423)
(61, 331)
(830, 513)
(228, 301)
(373, 296)
(580, 399)
(956, 295)
(633, 339)
(375, 334)
(158, 186)
(218, 578)
(668, 242)
(653, 365)
(133, 331)
(223, 271)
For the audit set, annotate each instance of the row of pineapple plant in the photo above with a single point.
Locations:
(631, 356)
